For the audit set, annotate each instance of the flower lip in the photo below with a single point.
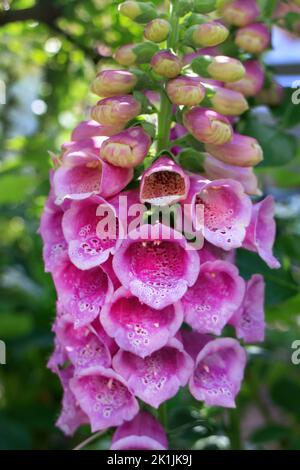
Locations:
(139, 328)
(217, 294)
(104, 396)
(226, 211)
(164, 183)
(158, 377)
(218, 372)
(156, 264)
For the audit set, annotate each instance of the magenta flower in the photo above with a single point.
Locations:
(249, 319)
(253, 38)
(104, 396)
(127, 149)
(83, 227)
(82, 293)
(71, 416)
(253, 81)
(83, 174)
(260, 235)
(241, 12)
(87, 129)
(158, 377)
(216, 169)
(226, 211)
(116, 111)
(144, 432)
(84, 346)
(219, 369)
(241, 151)
(55, 249)
(156, 264)
(138, 328)
(207, 126)
(164, 183)
(217, 294)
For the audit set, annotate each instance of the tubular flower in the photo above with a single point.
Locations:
(226, 211)
(88, 129)
(241, 151)
(252, 83)
(116, 110)
(249, 319)
(216, 295)
(139, 328)
(158, 377)
(260, 235)
(228, 102)
(156, 265)
(144, 432)
(185, 91)
(113, 82)
(127, 149)
(104, 396)
(207, 126)
(219, 369)
(216, 169)
(164, 183)
(254, 38)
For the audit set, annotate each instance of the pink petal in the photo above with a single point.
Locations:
(158, 377)
(137, 327)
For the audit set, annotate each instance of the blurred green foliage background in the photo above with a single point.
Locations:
(47, 63)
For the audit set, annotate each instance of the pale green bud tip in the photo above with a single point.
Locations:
(113, 83)
(157, 30)
(166, 64)
(130, 9)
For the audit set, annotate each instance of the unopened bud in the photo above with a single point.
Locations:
(240, 151)
(240, 12)
(206, 34)
(225, 69)
(157, 30)
(138, 11)
(124, 55)
(207, 126)
(126, 149)
(254, 38)
(271, 96)
(113, 82)
(253, 80)
(228, 102)
(116, 111)
(185, 91)
(166, 64)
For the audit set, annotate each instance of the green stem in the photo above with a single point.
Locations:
(235, 431)
(165, 113)
(163, 415)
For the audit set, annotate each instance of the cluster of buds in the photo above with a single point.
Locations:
(141, 309)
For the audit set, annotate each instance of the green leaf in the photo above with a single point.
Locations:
(272, 432)
(191, 160)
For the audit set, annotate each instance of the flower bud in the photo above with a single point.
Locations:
(185, 91)
(206, 34)
(207, 126)
(157, 30)
(240, 12)
(240, 151)
(220, 68)
(113, 82)
(124, 55)
(126, 149)
(254, 38)
(228, 102)
(271, 96)
(253, 80)
(138, 11)
(166, 64)
(205, 6)
(116, 111)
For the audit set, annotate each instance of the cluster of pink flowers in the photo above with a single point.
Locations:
(141, 314)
